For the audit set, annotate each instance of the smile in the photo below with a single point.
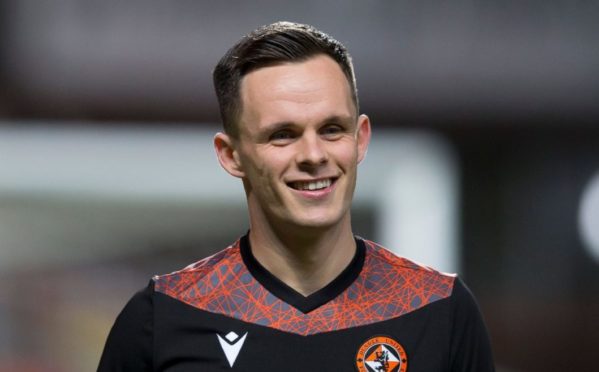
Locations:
(312, 185)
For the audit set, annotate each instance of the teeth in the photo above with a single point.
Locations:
(316, 185)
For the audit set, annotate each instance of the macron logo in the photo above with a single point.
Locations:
(231, 345)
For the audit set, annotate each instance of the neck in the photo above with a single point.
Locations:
(304, 259)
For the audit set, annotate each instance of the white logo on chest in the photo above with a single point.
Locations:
(231, 345)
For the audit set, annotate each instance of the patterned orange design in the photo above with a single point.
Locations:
(388, 287)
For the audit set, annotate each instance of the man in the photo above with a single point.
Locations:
(299, 291)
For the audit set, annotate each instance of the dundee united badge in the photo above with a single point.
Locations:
(381, 354)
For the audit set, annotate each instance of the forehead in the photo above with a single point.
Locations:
(295, 91)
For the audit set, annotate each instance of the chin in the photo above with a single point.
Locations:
(318, 221)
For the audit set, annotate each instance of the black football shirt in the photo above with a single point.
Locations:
(383, 313)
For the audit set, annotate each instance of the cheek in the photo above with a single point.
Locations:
(347, 155)
(276, 160)
(265, 166)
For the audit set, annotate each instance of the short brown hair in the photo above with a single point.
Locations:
(270, 45)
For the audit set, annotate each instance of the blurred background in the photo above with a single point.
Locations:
(484, 161)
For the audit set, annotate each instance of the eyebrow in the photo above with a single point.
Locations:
(270, 128)
(274, 127)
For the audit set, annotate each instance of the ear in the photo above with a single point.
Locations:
(363, 136)
(228, 155)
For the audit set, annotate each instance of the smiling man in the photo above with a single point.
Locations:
(299, 291)
(298, 142)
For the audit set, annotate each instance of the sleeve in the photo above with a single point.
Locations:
(129, 344)
(470, 346)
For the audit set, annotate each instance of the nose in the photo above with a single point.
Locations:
(311, 151)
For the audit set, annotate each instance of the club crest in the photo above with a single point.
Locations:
(381, 354)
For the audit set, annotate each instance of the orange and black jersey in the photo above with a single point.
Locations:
(227, 312)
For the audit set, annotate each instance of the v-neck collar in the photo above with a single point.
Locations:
(305, 304)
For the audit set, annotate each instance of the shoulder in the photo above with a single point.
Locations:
(202, 276)
(398, 284)
(382, 260)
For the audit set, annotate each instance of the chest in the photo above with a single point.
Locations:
(190, 339)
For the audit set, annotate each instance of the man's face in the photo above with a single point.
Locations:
(299, 144)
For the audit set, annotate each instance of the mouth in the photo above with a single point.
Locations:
(312, 185)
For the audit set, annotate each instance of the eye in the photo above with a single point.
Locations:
(332, 131)
(282, 137)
